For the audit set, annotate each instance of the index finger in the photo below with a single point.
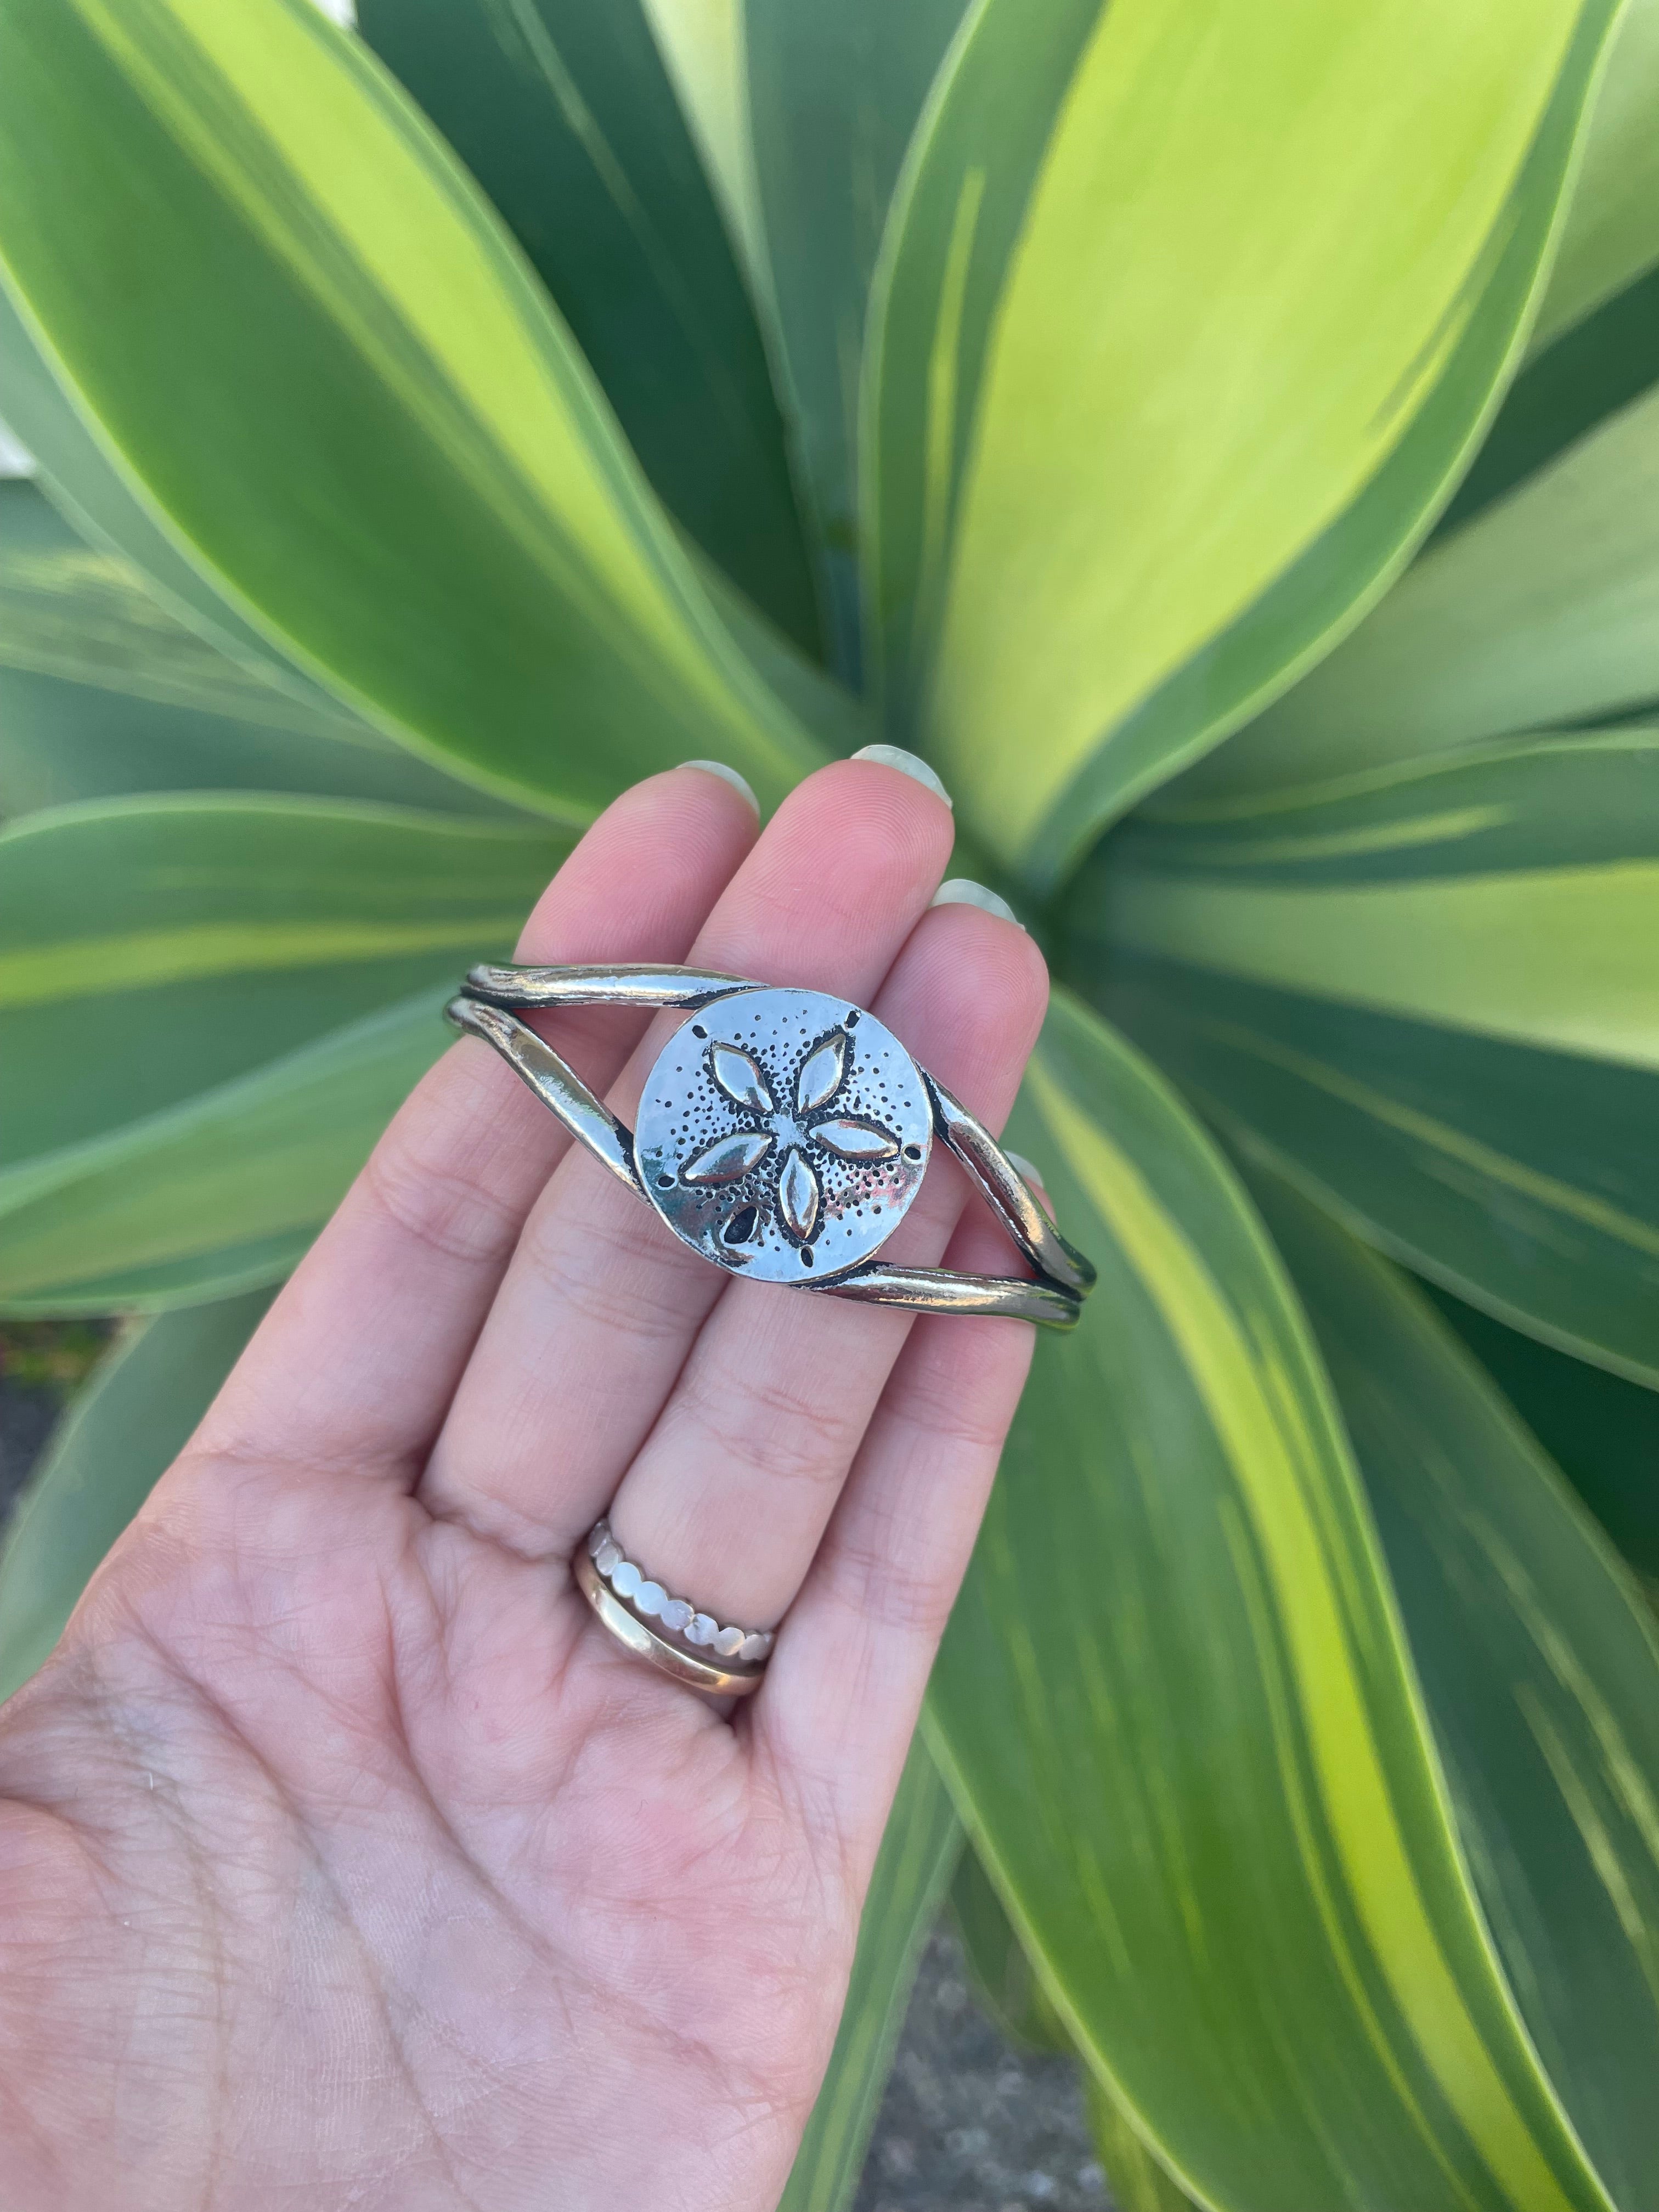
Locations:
(355, 1363)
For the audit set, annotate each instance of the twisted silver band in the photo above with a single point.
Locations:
(1065, 1277)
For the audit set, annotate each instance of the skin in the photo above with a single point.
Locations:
(344, 1859)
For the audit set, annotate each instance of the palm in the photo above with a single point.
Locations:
(488, 1942)
(392, 1881)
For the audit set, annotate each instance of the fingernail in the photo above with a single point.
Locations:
(1034, 1177)
(962, 891)
(907, 764)
(727, 775)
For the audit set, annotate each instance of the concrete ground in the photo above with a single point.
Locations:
(26, 1420)
(969, 2123)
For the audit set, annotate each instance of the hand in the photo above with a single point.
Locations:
(344, 1859)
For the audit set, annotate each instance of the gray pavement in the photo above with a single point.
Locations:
(970, 2124)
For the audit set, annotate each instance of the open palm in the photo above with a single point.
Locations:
(344, 1861)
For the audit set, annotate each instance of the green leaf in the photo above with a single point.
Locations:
(1543, 610)
(1540, 1666)
(912, 1872)
(1590, 372)
(135, 1415)
(840, 720)
(223, 1192)
(1515, 892)
(1175, 1708)
(1185, 327)
(144, 894)
(86, 481)
(1429, 993)
(1601, 1431)
(701, 44)
(1521, 1180)
(564, 111)
(395, 459)
(833, 95)
(103, 691)
(1612, 231)
(1004, 1978)
(209, 1008)
(1138, 2182)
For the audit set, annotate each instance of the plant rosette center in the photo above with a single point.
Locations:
(783, 1134)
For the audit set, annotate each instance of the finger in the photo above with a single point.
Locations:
(601, 1302)
(847, 1679)
(728, 1498)
(377, 1322)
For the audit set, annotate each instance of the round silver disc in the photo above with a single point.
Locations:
(783, 1134)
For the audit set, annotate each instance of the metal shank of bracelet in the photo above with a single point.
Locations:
(489, 1007)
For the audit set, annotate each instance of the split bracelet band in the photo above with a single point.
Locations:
(782, 1134)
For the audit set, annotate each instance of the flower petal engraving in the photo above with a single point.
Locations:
(822, 1072)
(728, 1158)
(850, 1139)
(797, 1194)
(742, 1079)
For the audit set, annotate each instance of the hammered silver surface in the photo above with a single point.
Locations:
(838, 1127)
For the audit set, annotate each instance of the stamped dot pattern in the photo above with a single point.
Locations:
(755, 1179)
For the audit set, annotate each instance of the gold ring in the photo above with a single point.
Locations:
(636, 1636)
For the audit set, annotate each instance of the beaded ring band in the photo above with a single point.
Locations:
(782, 1136)
(670, 1631)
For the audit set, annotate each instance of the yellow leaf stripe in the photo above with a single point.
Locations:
(453, 325)
(267, 1152)
(1276, 1467)
(1447, 828)
(82, 616)
(940, 466)
(86, 966)
(1617, 1772)
(1562, 957)
(703, 48)
(1220, 190)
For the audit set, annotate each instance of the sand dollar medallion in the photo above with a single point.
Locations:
(783, 1134)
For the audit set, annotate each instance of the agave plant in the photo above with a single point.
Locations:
(1225, 441)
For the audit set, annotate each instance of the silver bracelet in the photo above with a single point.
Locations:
(782, 1136)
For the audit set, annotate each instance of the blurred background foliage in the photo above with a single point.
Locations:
(1225, 442)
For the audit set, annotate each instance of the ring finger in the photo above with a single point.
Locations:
(726, 1500)
(600, 1304)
